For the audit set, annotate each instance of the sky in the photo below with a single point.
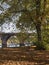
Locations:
(10, 27)
(4, 7)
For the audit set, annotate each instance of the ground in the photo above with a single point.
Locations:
(23, 56)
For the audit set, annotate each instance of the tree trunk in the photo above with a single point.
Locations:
(4, 43)
(39, 17)
(38, 28)
(38, 20)
(4, 39)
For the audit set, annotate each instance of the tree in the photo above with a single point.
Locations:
(32, 15)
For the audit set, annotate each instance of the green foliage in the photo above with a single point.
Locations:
(41, 46)
(34, 13)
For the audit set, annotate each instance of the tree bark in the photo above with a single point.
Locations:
(38, 28)
(38, 20)
(4, 43)
(4, 39)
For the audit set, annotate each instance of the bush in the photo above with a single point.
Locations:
(40, 46)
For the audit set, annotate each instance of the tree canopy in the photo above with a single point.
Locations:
(33, 15)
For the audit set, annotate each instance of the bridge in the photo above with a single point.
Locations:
(6, 36)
